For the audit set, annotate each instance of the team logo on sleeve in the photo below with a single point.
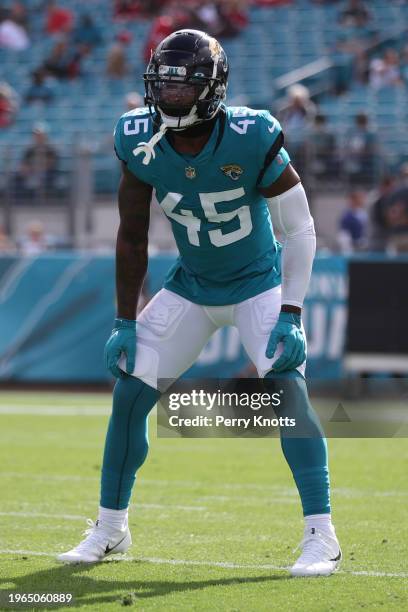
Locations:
(233, 171)
(190, 172)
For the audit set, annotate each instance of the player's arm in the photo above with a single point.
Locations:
(134, 198)
(292, 219)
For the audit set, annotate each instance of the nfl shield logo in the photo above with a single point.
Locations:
(190, 172)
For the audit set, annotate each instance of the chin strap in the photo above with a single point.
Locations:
(148, 147)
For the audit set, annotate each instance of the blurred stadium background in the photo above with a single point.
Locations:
(336, 75)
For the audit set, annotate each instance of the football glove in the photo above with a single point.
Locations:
(122, 340)
(288, 330)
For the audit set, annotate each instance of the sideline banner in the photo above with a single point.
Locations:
(56, 312)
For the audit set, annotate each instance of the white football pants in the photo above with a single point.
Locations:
(172, 331)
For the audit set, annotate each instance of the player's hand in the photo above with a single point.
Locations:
(288, 330)
(122, 340)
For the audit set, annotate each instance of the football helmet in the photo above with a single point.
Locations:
(186, 79)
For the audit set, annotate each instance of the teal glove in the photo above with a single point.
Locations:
(287, 330)
(122, 340)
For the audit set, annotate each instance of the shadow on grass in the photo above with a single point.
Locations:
(88, 590)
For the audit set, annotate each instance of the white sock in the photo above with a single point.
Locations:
(321, 522)
(116, 519)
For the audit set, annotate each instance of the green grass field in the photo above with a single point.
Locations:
(214, 521)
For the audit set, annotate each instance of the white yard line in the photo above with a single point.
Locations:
(283, 492)
(82, 517)
(52, 410)
(172, 507)
(221, 564)
(49, 477)
(68, 517)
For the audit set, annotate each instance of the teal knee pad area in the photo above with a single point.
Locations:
(127, 444)
(304, 446)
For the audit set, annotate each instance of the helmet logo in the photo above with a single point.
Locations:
(190, 172)
(232, 170)
(215, 48)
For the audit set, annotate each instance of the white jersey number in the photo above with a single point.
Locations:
(208, 202)
(242, 126)
(136, 126)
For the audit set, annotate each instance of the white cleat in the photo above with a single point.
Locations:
(321, 554)
(99, 543)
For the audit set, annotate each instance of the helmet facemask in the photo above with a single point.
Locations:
(182, 96)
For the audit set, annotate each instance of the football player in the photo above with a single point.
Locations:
(224, 180)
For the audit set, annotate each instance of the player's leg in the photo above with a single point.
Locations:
(305, 447)
(171, 333)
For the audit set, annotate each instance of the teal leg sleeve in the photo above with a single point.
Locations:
(304, 447)
(127, 441)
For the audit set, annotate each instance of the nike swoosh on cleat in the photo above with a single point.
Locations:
(109, 550)
(336, 558)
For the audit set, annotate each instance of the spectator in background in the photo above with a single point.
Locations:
(86, 32)
(106, 143)
(6, 244)
(12, 34)
(204, 15)
(8, 105)
(133, 100)
(235, 16)
(161, 27)
(116, 62)
(296, 116)
(298, 110)
(403, 174)
(154, 7)
(39, 90)
(321, 149)
(404, 64)
(59, 20)
(34, 241)
(355, 31)
(64, 61)
(378, 237)
(129, 9)
(390, 217)
(355, 13)
(217, 17)
(385, 71)
(39, 167)
(360, 154)
(273, 2)
(18, 14)
(353, 224)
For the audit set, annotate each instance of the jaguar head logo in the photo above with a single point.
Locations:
(233, 171)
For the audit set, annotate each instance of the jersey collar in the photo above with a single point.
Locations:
(203, 157)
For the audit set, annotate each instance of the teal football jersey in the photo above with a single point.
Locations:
(220, 221)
